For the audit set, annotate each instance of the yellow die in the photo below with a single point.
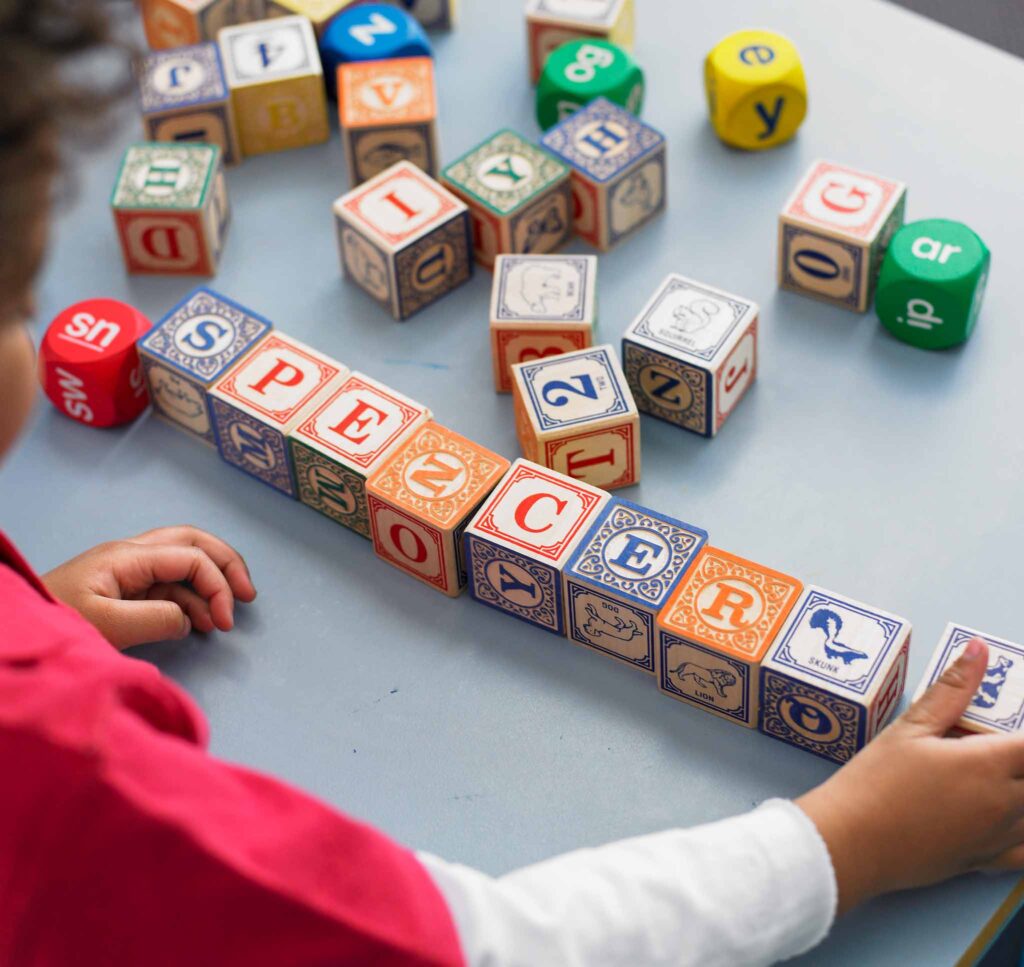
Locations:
(757, 93)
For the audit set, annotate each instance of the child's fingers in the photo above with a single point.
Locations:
(1011, 859)
(938, 710)
(129, 623)
(194, 606)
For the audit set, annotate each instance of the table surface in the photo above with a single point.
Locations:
(855, 462)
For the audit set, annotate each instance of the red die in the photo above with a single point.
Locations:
(89, 365)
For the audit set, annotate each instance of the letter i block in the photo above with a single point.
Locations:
(575, 414)
(833, 233)
(404, 239)
(834, 676)
(691, 354)
(618, 170)
(522, 537)
(715, 630)
(184, 96)
(189, 350)
(551, 23)
(257, 404)
(621, 576)
(388, 113)
(176, 23)
(170, 206)
(518, 196)
(338, 445)
(277, 84)
(541, 305)
(422, 498)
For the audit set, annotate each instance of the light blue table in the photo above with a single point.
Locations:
(856, 462)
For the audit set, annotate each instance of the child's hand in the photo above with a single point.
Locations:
(914, 808)
(132, 590)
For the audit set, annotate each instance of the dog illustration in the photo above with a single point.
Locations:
(993, 682)
(538, 285)
(707, 678)
(830, 624)
(620, 629)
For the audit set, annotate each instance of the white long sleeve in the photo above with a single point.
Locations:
(751, 890)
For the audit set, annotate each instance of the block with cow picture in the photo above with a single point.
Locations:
(620, 577)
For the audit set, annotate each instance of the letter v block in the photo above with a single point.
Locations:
(422, 498)
(520, 540)
(257, 403)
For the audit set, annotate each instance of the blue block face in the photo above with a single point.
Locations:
(182, 77)
(253, 447)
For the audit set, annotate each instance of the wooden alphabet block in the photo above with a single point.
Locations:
(277, 84)
(178, 23)
(833, 233)
(170, 205)
(618, 171)
(388, 113)
(691, 354)
(257, 403)
(184, 96)
(432, 14)
(404, 239)
(541, 306)
(189, 350)
(715, 630)
(342, 442)
(320, 13)
(421, 499)
(520, 540)
(834, 675)
(551, 23)
(621, 576)
(518, 196)
(576, 414)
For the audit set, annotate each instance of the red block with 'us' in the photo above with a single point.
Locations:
(89, 364)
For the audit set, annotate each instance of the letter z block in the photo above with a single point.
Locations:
(338, 445)
(833, 233)
(621, 576)
(277, 84)
(421, 500)
(522, 537)
(404, 239)
(576, 414)
(518, 196)
(551, 23)
(541, 305)
(691, 354)
(715, 630)
(257, 404)
(834, 676)
(170, 207)
(177, 23)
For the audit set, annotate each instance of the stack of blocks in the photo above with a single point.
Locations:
(551, 23)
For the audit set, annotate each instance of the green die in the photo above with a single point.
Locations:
(932, 283)
(581, 70)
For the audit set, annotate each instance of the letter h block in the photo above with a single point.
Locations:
(621, 576)
(258, 402)
(522, 537)
(342, 442)
(834, 675)
(691, 354)
(576, 414)
(422, 498)
(833, 233)
(189, 350)
(170, 206)
(715, 630)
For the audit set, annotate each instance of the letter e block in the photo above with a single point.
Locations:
(551, 23)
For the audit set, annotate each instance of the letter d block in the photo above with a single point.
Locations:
(170, 206)
(257, 403)
(422, 498)
(522, 537)
(715, 630)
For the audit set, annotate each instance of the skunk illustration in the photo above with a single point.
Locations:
(619, 629)
(830, 624)
(707, 678)
(992, 684)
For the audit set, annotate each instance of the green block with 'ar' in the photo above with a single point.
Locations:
(932, 283)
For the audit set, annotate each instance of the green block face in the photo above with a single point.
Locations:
(581, 70)
(932, 283)
(165, 176)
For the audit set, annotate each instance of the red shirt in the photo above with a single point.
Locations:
(122, 841)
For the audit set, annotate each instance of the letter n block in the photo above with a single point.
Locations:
(344, 440)
(404, 239)
(691, 354)
(262, 398)
(170, 206)
(833, 233)
(715, 630)
(422, 498)
(620, 577)
(576, 414)
(522, 537)
(834, 676)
